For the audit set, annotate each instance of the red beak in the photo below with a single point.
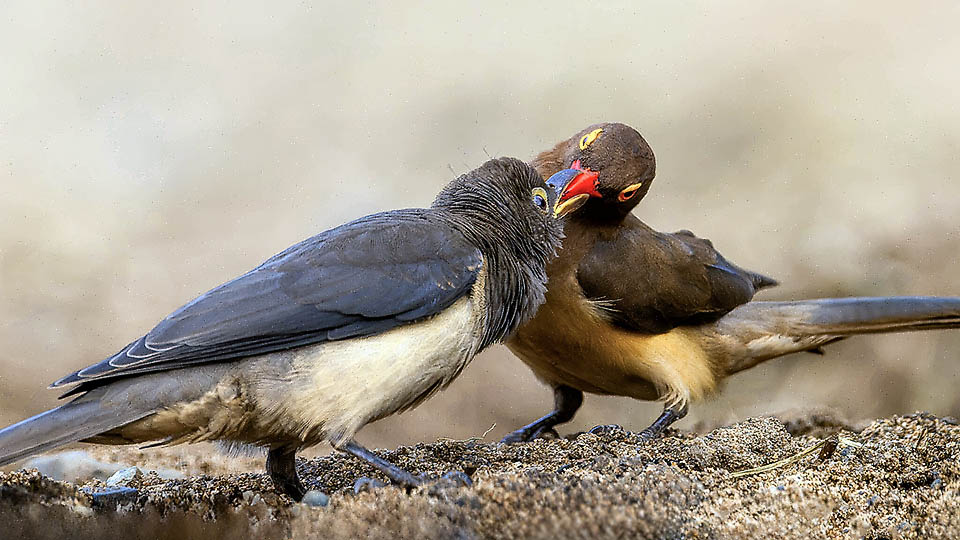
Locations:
(585, 183)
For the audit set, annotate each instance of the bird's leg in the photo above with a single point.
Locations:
(566, 401)
(394, 473)
(671, 413)
(282, 466)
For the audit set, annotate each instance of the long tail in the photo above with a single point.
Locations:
(758, 331)
(82, 418)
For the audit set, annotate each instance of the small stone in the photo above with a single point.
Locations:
(112, 497)
(315, 498)
(123, 477)
(247, 496)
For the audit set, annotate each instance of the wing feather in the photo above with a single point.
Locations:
(653, 282)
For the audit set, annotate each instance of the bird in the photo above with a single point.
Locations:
(349, 326)
(631, 311)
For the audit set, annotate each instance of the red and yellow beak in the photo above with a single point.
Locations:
(573, 188)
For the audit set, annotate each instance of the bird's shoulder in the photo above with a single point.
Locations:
(653, 281)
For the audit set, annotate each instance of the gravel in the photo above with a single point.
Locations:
(897, 477)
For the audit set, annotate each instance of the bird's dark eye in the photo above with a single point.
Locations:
(629, 192)
(539, 197)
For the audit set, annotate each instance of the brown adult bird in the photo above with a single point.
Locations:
(349, 326)
(631, 311)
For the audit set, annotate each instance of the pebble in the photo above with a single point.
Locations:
(315, 498)
(124, 476)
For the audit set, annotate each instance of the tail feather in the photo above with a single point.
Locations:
(80, 419)
(761, 281)
(850, 316)
(106, 408)
(758, 331)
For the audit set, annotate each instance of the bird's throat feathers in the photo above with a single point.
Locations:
(513, 288)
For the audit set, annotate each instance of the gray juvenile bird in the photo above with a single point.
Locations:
(347, 327)
(631, 311)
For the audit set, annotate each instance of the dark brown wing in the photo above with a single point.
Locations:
(655, 281)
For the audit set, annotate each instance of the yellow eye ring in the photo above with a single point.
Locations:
(588, 139)
(539, 198)
(629, 192)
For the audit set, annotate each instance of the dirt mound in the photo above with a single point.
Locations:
(897, 478)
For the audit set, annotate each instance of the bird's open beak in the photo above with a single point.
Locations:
(573, 188)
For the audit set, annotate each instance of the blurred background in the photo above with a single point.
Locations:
(150, 151)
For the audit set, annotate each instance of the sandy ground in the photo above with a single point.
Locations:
(896, 477)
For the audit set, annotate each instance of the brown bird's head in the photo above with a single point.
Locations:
(623, 162)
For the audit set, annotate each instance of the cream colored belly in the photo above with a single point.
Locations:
(326, 391)
(344, 385)
(569, 342)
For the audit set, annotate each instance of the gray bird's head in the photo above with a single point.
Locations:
(507, 210)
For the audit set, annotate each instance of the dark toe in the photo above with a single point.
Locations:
(517, 436)
(646, 435)
(527, 435)
(458, 478)
(365, 484)
(549, 434)
(608, 429)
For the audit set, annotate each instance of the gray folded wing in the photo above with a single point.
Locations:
(361, 278)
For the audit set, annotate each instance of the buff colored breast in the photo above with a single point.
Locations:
(570, 342)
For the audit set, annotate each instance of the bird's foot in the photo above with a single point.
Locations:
(517, 436)
(365, 484)
(292, 488)
(398, 476)
(451, 479)
(647, 435)
(670, 415)
(606, 430)
(525, 434)
(456, 479)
